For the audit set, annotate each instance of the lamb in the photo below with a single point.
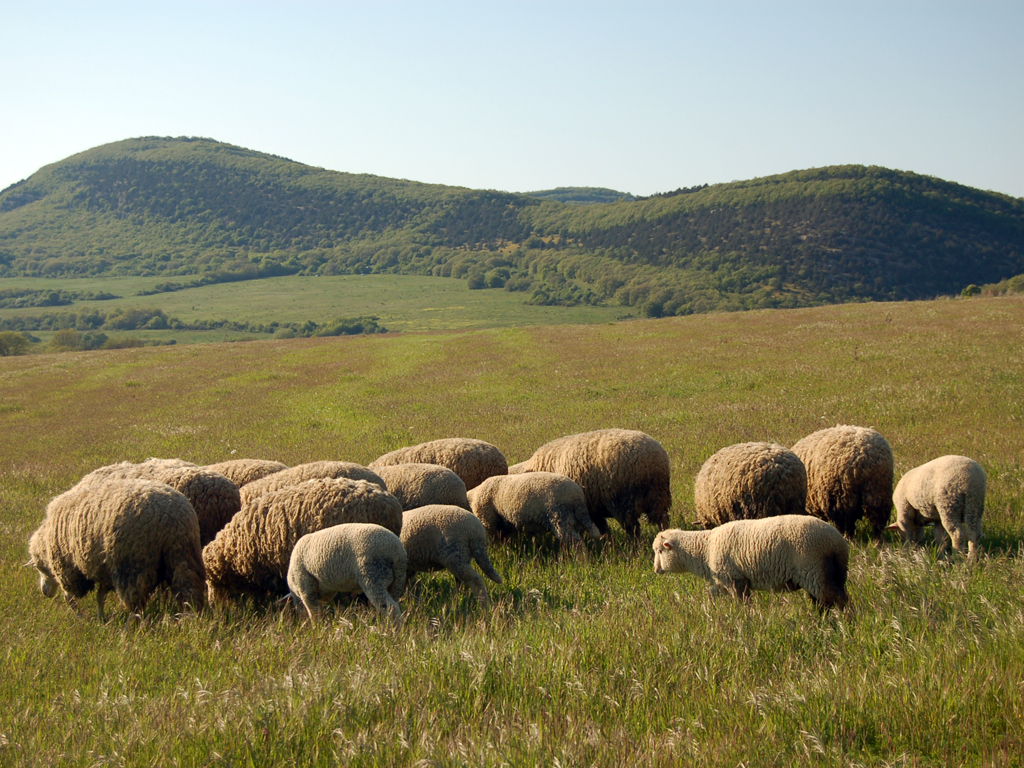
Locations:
(417, 485)
(445, 536)
(311, 471)
(472, 460)
(213, 496)
(350, 558)
(534, 502)
(125, 535)
(781, 554)
(948, 491)
(624, 474)
(849, 476)
(748, 481)
(244, 471)
(251, 553)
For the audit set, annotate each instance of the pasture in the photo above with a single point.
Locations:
(587, 657)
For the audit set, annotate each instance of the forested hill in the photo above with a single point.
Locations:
(199, 210)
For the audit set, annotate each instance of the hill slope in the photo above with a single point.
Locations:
(197, 209)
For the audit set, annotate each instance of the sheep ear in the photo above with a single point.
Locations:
(893, 527)
(667, 544)
(29, 564)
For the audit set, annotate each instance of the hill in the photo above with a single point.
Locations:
(200, 211)
(582, 195)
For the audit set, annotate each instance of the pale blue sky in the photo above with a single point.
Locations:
(640, 97)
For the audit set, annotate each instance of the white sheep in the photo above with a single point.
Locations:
(472, 460)
(244, 471)
(530, 503)
(300, 473)
(446, 537)
(948, 491)
(351, 558)
(417, 485)
(122, 535)
(781, 554)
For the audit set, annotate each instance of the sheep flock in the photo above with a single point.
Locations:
(765, 517)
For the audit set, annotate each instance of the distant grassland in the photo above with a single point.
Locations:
(402, 302)
(587, 658)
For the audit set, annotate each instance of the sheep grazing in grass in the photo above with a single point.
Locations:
(849, 476)
(125, 535)
(314, 470)
(624, 475)
(214, 497)
(447, 537)
(780, 554)
(351, 558)
(417, 485)
(244, 471)
(472, 460)
(251, 554)
(748, 481)
(531, 503)
(948, 491)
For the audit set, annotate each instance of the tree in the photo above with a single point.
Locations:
(13, 343)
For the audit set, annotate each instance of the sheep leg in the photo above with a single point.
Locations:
(942, 538)
(472, 580)
(101, 596)
(308, 591)
(373, 586)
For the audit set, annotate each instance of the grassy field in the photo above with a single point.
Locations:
(403, 303)
(586, 658)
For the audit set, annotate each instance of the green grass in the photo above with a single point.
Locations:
(403, 302)
(586, 658)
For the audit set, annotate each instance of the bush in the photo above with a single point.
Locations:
(12, 343)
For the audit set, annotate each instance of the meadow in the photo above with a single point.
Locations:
(586, 657)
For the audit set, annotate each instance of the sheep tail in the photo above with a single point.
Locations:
(479, 551)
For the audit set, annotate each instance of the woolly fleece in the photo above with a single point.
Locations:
(251, 554)
(472, 460)
(624, 474)
(314, 470)
(447, 537)
(780, 554)
(535, 502)
(748, 481)
(125, 535)
(244, 471)
(417, 485)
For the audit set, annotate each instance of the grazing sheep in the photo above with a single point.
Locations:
(125, 535)
(251, 554)
(314, 470)
(624, 474)
(244, 471)
(534, 502)
(748, 481)
(849, 476)
(349, 558)
(417, 485)
(213, 496)
(472, 460)
(948, 491)
(781, 554)
(444, 536)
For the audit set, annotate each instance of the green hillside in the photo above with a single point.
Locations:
(582, 195)
(197, 211)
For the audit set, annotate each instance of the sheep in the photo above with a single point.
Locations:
(417, 485)
(624, 474)
(534, 502)
(311, 471)
(214, 497)
(849, 476)
(781, 554)
(748, 481)
(472, 460)
(349, 558)
(125, 535)
(445, 536)
(244, 471)
(251, 553)
(948, 491)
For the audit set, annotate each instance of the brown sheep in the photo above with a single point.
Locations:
(472, 460)
(251, 554)
(624, 473)
(244, 471)
(849, 476)
(125, 535)
(748, 481)
(314, 470)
